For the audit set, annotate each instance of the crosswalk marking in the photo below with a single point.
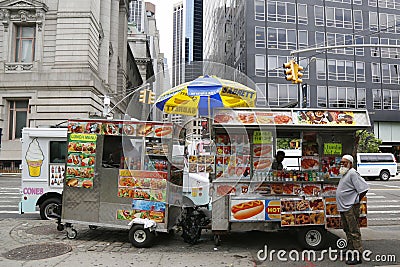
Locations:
(384, 219)
(383, 206)
(368, 197)
(382, 211)
(382, 201)
(9, 211)
(10, 188)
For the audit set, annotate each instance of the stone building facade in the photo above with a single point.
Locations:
(58, 59)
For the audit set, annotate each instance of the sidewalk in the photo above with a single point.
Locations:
(110, 247)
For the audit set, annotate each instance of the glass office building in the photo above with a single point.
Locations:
(257, 36)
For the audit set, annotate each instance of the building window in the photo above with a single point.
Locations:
(341, 97)
(17, 118)
(260, 65)
(321, 97)
(361, 98)
(374, 50)
(259, 10)
(376, 72)
(390, 74)
(321, 71)
(281, 12)
(302, 17)
(377, 98)
(373, 21)
(359, 40)
(339, 18)
(261, 94)
(360, 70)
(282, 39)
(24, 43)
(334, 39)
(303, 39)
(389, 52)
(391, 99)
(260, 37)
(319, 15)
(341, 70)
(358, 20)
(279, 94)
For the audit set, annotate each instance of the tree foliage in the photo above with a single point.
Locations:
(367, 142)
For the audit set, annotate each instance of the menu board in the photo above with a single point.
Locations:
(232, 157)
(333, 219)
(201, 164)
(326, 117)
(291, 117)
(144, 209)
(57, 174)
(128, 128)
(247, 210)
(300, 212)
(144, 185)
(330, 167)
(81, 160)
(250, 117)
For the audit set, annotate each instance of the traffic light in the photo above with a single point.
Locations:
(290, 71)
(152, 98)
(298, 73)
(143, 96)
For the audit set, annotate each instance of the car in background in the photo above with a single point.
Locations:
(376, 165)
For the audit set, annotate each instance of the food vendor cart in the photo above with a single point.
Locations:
(248, 195)
(118, 175)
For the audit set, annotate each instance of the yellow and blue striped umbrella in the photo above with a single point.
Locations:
(202, 95)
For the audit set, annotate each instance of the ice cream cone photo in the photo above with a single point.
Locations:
(34, 158)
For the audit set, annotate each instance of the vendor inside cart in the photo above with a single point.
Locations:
(277, 164)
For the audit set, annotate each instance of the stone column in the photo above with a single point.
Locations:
(105, 17)
(113, 69)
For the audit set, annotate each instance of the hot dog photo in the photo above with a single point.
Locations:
(247, 210)
(164, 131)
(262, 151)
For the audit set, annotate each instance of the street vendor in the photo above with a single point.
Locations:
(351, 189)
(277, 164)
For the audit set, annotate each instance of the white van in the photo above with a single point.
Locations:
(374, 165)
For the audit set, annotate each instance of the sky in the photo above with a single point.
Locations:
(164, 10)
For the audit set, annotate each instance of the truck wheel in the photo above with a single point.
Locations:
(312, 238)
(141, 237)
(384, 176)
(49, 208)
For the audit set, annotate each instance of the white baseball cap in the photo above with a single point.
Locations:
(348, 157)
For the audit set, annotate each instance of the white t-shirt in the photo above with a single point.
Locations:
(348, 190)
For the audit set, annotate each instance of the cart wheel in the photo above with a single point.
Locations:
(72, 233)
(92, 227)
(60, 227)
(141, 237)
(217, 240)
(49, 209)
(312, 238)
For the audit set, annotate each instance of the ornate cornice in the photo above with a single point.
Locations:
(22, 11)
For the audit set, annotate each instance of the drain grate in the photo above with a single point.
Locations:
(38, 251)
(43, 230)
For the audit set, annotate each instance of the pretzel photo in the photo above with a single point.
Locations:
(317, 218)
(331, 209)
(317, 204)
(287, 219)
(303, 205)
(288, 205)
(302, 218)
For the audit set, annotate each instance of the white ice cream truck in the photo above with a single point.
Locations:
(43, 166)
